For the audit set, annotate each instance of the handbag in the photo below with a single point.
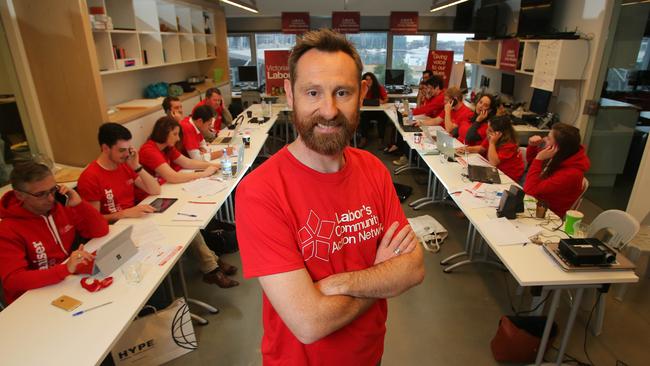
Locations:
(157, 338)
(518, 338)
(220, 237)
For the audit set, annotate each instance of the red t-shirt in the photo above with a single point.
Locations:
(289, 217)
(114, 189)
(192, 137)
(511, 161)
(218, 118)
(382, 94)
(433, 106)
(151, 157)
(459, 116)
(464, 126)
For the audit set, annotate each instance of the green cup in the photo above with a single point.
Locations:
(571, 218)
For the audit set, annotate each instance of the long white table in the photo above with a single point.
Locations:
(36, 333)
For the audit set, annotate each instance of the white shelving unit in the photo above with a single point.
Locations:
(170, 33)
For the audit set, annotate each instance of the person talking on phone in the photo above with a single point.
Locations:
(109, 183)
(37, 231)
(557, 165)
(222, 119)
(173, 108)
(454, 113)
(474, 131)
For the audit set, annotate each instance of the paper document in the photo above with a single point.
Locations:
(194, 212)
(204, 186)
(501, 231)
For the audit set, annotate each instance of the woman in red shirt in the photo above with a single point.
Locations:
(557, 169)
(474, 131)
(500, 148)
(378, 92)
(160, 157)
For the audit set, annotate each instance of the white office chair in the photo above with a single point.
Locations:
(621, 227)
(639, 246)
(578, 202)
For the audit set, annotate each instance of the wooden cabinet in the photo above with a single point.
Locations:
(70, 61)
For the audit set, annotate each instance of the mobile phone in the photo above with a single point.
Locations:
(454, 101)
(61, 198)
(66, 303)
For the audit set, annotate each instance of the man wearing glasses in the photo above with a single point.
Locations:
(37, 231)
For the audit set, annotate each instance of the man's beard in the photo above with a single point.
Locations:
(331, 143)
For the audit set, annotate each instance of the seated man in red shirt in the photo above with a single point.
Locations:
(37, 231)
(195, 127)
(109, 182)
(454, 114)
(434, 97)
(320, 225)
(223, 118)
(173, 107)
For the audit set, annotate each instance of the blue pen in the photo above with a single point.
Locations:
(93, 308)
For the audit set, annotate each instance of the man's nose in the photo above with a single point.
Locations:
(328, 108)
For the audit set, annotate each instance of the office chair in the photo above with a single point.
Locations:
(638, 246)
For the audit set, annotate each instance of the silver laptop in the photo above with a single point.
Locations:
(445, 144)
(115, 252)
(238, 166)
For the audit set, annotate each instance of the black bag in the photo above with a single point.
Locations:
(220, 237)
(403, 191)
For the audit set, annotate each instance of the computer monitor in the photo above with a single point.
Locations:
(247, 74)
(507, 84)
(394, 77)
(540, 100)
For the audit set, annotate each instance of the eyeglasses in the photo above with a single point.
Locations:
(43, 194)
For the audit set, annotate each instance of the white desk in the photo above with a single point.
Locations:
(37, 333)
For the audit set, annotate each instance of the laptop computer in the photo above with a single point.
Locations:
(484, 174)
(406, 128)
(239, 121)
(240, 160)
(445, 144)
(115, 252)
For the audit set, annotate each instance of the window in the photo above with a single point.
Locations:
(239, 54)
(455, 42)
(410, 54)
(372, 49)
(270, 41)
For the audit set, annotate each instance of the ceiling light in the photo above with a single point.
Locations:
(242, 5)
(440, 7)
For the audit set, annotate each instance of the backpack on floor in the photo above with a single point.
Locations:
(403, 191)
(220, 237)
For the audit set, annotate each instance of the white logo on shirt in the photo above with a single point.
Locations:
(41, 255)
(110, 200)
(350, 227)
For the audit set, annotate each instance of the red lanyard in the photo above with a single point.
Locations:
(96, 285)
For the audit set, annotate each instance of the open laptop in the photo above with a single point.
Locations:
(445, 144)
(485, 174)
(238, 166)
(406, 128)
(239, 121)
(115, 252)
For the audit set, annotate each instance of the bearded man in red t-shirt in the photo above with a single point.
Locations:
(320, 225)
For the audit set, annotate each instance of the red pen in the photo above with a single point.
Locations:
(202, 203)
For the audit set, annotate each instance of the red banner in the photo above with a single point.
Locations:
(404, 22)
(346, 21)
(276, 67)
(509, 54)
(440, 63)
(295, 23)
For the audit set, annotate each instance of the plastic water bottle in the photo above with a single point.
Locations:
(226, 165)
(410, 115)
(264, 110)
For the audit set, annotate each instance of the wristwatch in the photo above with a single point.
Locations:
(138, 169)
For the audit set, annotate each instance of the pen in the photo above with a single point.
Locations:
(186, 214)
(93, 308)
(202, 203)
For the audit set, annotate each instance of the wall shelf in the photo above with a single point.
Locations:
(136, 68)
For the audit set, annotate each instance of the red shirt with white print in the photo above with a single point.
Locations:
(289, 217)
(113, 189)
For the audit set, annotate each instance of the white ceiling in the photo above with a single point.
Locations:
(272, 8)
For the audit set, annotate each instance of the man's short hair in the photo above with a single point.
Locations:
(28, 172)
(428, 72)
(162, 128)
(454, 92)
(167, 103)
(210, 91)
(324, 40)
(434, 81)
(203, 112)
(110, 133)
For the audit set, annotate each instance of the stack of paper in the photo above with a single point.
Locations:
(502, 232)
(204, 187)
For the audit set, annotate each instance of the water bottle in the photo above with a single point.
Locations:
(410, 115)
(264, 108)
(226, 165)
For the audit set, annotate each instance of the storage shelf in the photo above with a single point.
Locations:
(134, 68)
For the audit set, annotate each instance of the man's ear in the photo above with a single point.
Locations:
(289, 91)
(104, 148)
(364, 90)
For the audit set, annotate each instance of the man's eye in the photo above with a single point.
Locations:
(312, 93)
